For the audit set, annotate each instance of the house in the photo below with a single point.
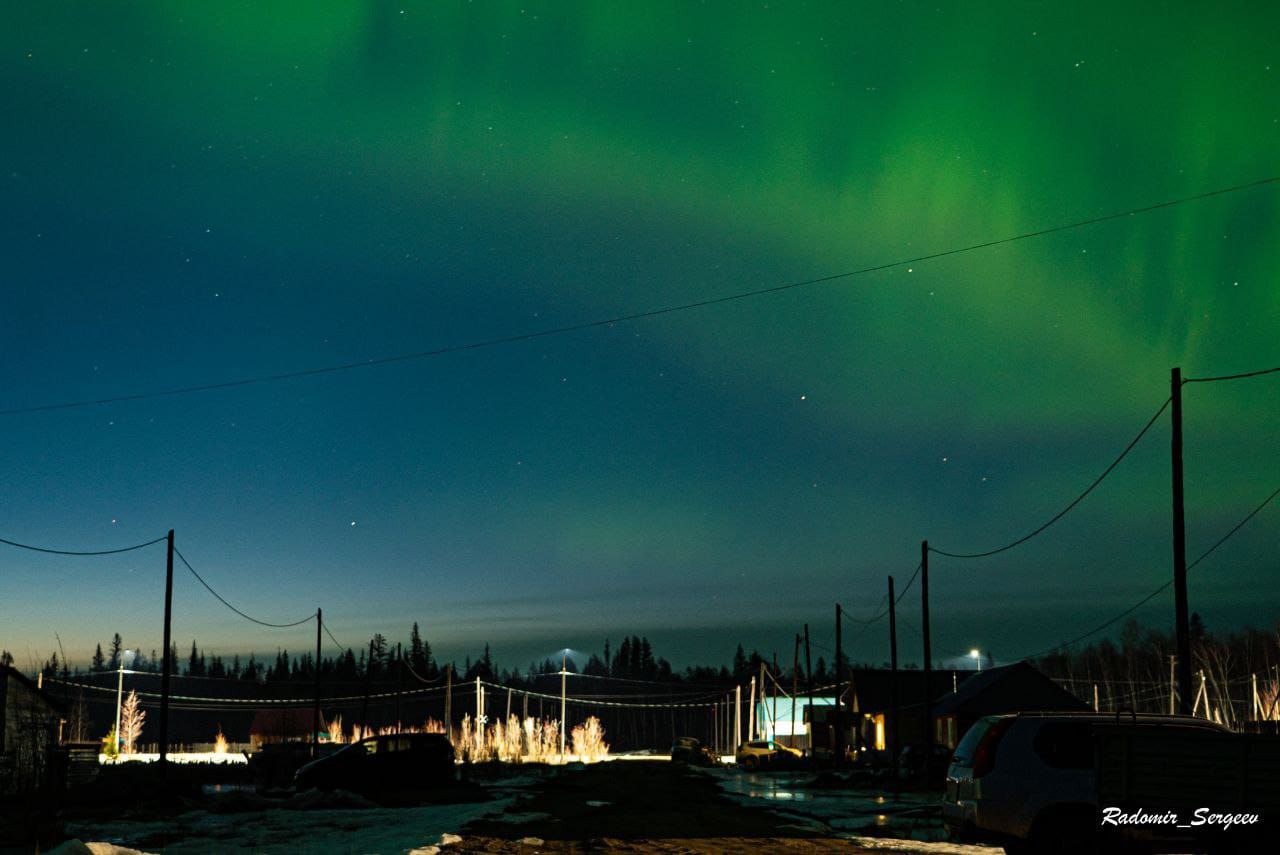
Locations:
(1009, 688)
(29, 722)
(870, 701)
(868, 705)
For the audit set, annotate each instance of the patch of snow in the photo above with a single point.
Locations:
(285, 832)
(887, 844)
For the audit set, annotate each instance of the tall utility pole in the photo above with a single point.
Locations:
(773, 715)
(119, 697)
(808, 679)
(838, 748)
(737, 717)
(795, 686)
(1181, 626)
(167, 659)
(448, 700)
(368, 686)
(751, 715)
(315, 710)
(928, 657)
(892, 729)
(564, 673)
(1173, 681)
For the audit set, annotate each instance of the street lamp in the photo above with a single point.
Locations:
(126, 658)
(564, 673)
(977, 656)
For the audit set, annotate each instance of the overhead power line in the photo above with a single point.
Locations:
(1164, 587)
(325, 626)
(50, 551)
(1071, 505)
(223, 600)
(1230, 376)
(632, 316)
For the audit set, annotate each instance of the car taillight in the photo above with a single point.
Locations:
(984, 757)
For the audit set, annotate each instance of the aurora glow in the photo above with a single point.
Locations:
(228, 190)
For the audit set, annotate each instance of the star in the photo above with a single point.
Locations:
(353, 522)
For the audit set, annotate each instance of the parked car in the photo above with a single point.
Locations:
(686, 749)
(393, 761)
(1027, 780)
(274, 765)
(911, 762)
(765, 753)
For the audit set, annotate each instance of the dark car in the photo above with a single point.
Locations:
(686, 749)
(275, 764)
(393, 761)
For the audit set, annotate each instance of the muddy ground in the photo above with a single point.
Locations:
(621, 806)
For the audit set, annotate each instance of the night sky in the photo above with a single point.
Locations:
(211, 191)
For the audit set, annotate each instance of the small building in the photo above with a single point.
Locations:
(775, 720)
(870, 701)
(29, 721)
(287, 724)
(1009, 688)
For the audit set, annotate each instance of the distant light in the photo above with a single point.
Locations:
(974, 653)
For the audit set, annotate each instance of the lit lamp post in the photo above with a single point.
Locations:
(977, 657)
(564, 673)
(126, 658)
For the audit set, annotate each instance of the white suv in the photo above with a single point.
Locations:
(1026, 780)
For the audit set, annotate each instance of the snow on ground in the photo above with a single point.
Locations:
(900, 820)
(383, 830)
(888, 844)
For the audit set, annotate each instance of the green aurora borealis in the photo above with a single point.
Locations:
(199, 192)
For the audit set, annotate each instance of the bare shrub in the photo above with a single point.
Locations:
(588, 741)
(335, 730)
(132, 717)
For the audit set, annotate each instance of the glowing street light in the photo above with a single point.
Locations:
(977, 656)
(564, 673)
(126, 658)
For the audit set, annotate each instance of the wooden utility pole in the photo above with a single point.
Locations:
(751, 714)
(399, 690)
(795, 686)
(315, 710)
(928, 658)
(773, 715)
(808, 679)
(167, 668)
(448, 700)
(892, 730)
(737, 717)
(564, 673)
(1173, 682)
(838, 747)
(1181, 622)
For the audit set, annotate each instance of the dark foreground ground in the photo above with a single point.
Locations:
(622, 806)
